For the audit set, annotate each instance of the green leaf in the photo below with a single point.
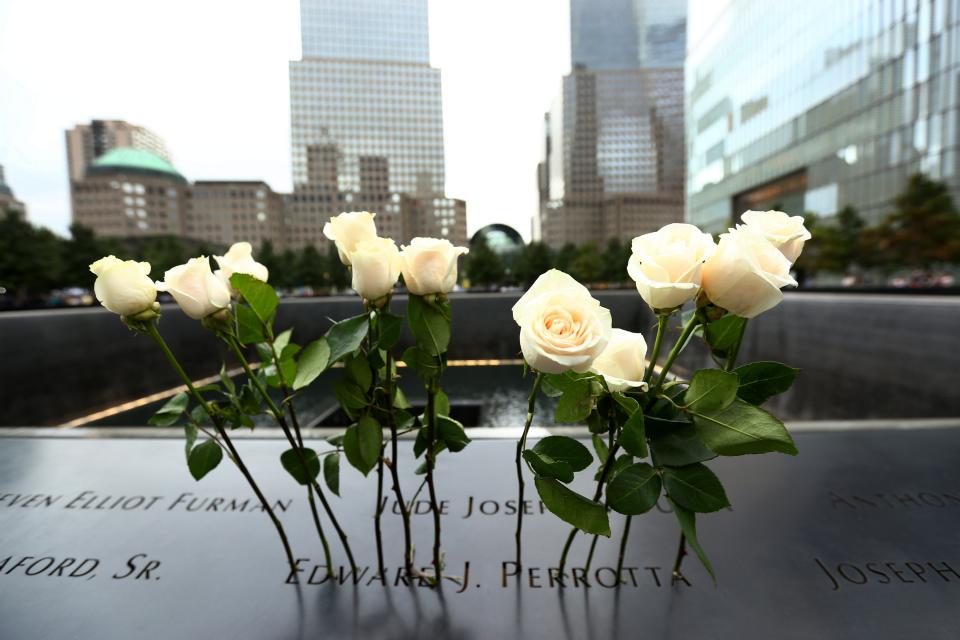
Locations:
(190, 433)
(601, 448)
(451, 433)
(430, 324)
(426, 366)
(711, 390)
(250, 329)
(628, 404)
(634, 490)
(303, 464)
(633, 436)
(359, 371)
(688, 524)
(442, 403)
(400, 402)
(281, 341)
(331, 472)
(204, 458)
(259, 295)
(361, 444)
(226, 380)
(346, 336)
(546, 467)
(723, 334)
(313, 362)
(760, 381)
(621, 463)
(390, 326)
(576, 403)
(349, 395)
(336, 440)
(564, 449)
(170, 412)
(287, 367)
(571, 507)
(675, 443)
(249, 399)
(696, 488)
(742, 428)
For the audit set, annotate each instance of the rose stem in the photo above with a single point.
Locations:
(404, 513)
(372, 391)
(593, 543)
(431, 434)
(234, 454)
(521, 445)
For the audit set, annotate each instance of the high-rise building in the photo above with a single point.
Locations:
(613, 154)
(224, 212)
(87, 142)
(366, 116)
(815, 106)
(8, 201)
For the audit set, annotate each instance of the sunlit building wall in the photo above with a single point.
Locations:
(814, 106)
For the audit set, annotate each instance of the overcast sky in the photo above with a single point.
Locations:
(210, 76)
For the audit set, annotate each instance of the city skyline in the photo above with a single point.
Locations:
(231, 121)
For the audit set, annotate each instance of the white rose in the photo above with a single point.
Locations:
(623, 363)
(562, 327)
(193, 285)
(666, 264)
(376, 267)
(786, 233)
(123, 287)
(348, 229)
(746, 273)
(429, 265)
(239, 259)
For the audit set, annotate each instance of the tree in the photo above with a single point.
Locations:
(615, 259)
(31, 258)
(82, 249)
(535, 258)
(565, 257)
(267, 256)
(336, 273)
(924, 230)
(587, 266)
(483, 266)
(310, 268)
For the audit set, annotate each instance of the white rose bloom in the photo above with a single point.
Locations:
(123, 287)
(347, 229)
(376, 267)
(623, 363)
(562, 327)
(746, 273)
(666, 264)
(429, 265)
(786, 233)
(193, 285)
(239, 259)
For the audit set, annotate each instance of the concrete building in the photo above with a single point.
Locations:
(224, 212)
(367, 121)
(87, 142)
(130, 192)
(8, 201)
(815, 106)
(613, 154)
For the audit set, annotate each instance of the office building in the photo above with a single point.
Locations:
(225, 212)
(8, 201)
(815, 106)
(87, 142)
(613, 153)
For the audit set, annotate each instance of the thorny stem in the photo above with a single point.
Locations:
(521, 445)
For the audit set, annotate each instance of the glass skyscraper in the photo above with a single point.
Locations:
(366, 87)
(367, 123)
(814, 106)
(625, 34)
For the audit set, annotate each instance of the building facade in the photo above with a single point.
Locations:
(613, 154)
(87, 142)
(850, 99)
(367, 121)
(225, 212)
(8, 201)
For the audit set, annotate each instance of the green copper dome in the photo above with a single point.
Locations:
(130, 160)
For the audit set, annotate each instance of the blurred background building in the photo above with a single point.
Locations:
(613, 153)
(8, 201)
(367, 122)
(87, 142)
(815, 106)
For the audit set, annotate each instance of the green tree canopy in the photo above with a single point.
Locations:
(483, 266)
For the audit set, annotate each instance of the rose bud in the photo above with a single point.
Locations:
(746, 273)
(193, 285)
(375, 267)
(786, 233)
(239, 259)
(348, 229)
(562, 327)
(429, 265)
(123, 287)
(666, 264)
(623, 363)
